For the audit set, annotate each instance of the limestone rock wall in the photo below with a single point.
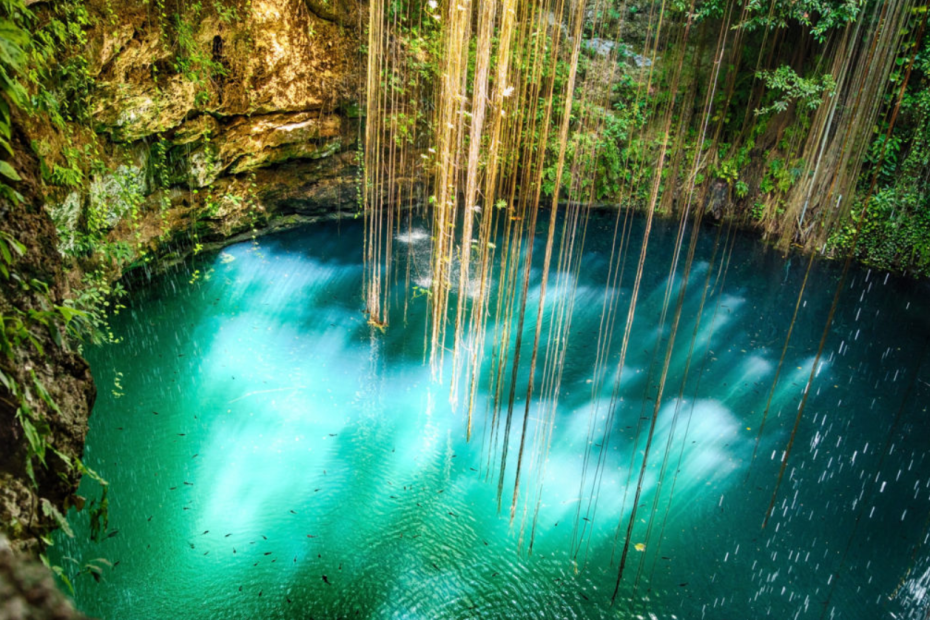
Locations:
(250, 106)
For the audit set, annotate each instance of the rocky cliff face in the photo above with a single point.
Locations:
(198, 124)
(215, 118)
(37, 362)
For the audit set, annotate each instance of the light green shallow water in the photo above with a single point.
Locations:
(261, 436)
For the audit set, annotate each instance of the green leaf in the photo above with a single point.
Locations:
(7, 170)
(49, 510)
(43, 393)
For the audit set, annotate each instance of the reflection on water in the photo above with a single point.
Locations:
(272, 456)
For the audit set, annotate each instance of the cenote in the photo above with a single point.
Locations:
(271, 454)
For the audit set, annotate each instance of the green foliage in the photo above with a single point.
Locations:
(780, 176)
(15, 43)
(818, 16)
(100, 515)
(88, 312)
(895, 232)
(788, 87)
(895, 229)
(192, 60)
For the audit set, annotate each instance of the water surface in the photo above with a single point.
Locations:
(270, 455)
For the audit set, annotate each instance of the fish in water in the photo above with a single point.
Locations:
(293, 513)
(326, 580)
(205, 532)
(113, 533)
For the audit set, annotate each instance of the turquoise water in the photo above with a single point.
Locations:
(270, 455)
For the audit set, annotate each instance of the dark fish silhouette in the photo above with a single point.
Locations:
(268, 553)
(326, 580)
(228, 535)
(205, 532)
(113, 533)
(293, 513)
